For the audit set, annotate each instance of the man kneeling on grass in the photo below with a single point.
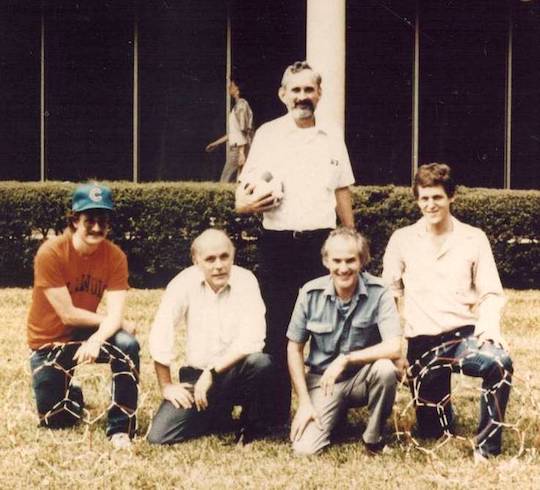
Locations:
(355, 333)
(221, 307)
(71, 274)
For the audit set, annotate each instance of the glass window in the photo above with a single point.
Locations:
(182, 67)
(89, 90)
(462, 88)
(20, 32)
(525, 170)
(380, 37)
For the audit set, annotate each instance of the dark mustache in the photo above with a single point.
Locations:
(304, 104)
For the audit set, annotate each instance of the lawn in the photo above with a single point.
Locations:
(81, 457)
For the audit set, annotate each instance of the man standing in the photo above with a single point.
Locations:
(71, 274)
(453, 300)
(355, 334)
(222, 309)
(312, 162)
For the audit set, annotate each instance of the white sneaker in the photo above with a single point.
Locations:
(121, 440)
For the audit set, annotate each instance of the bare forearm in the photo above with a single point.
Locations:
(344, 207)
(295, 360)
(163, 374)
(229, 360)
(390, 349)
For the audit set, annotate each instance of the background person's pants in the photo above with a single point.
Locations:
(374, 385)
(287, 261)
(461, 351)
(244, 384)
(53, 391)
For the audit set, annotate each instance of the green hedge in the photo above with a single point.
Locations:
(154, 224)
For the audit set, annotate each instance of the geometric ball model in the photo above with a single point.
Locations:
(266, 185)
(434, 362)
(71, 407)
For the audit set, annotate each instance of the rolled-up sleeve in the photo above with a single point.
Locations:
(491, 298)
(170, 314)
(297, 331)
(388, 317)
(393, 266)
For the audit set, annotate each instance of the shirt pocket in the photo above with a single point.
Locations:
(322, 335)
(364, 333)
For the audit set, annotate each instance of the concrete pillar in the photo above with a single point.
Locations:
(325, 51)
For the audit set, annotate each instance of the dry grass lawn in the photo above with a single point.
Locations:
(81, 457)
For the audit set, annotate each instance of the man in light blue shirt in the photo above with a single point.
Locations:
(353, 324)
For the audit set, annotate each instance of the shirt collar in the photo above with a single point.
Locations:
(231, 284)
(458, 228)
(291, 126)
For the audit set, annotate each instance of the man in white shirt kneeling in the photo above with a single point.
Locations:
(224, 314)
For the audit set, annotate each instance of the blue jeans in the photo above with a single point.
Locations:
(60, 404)
(456, 351)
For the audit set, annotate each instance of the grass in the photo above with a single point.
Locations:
(36, 458)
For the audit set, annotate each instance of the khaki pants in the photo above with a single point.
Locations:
(374, 385)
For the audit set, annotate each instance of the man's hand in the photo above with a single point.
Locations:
(88, 351)
(304, 415)
(202, 386)
(332, 373)
(496, 338)
(401, 365)
(210, 147)
(179, 394)
(245, 203)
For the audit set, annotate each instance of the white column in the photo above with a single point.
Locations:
(325, 51)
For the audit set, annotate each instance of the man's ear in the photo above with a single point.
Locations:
(281, 94)
(325, 262)
(194, 259)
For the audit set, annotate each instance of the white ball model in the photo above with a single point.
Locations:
(264, 185)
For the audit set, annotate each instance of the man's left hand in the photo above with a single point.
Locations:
(88, 351)
(332, 373)
(200, 391)
(496, 338)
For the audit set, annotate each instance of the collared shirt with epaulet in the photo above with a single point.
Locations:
(336, 328)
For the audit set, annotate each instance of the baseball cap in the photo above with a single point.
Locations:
(92, 196)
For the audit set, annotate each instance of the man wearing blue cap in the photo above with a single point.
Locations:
(71, 274)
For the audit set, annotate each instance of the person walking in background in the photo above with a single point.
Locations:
(239, 136)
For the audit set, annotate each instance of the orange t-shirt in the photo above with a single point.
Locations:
(58, 264)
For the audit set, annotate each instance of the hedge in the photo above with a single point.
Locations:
(154, 223)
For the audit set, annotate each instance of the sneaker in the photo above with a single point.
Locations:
(120, 440)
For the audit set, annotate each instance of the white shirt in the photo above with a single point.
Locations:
(217, 323)
(311, 162)
(457, 285)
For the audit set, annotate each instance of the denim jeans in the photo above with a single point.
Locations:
(60, 404)
(432, 359)
(245, 384)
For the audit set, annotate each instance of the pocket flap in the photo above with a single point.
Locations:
(319, 327)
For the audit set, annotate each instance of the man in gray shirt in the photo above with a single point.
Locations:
(355, 333)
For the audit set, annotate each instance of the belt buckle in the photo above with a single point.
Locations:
(297, 234)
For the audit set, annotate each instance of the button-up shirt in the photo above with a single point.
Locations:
(311, 162)
(455, 286)
(216, 323)
(370, 318)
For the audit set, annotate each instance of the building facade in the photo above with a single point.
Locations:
(134, 90)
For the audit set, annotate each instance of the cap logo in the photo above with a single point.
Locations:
(95, 194)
